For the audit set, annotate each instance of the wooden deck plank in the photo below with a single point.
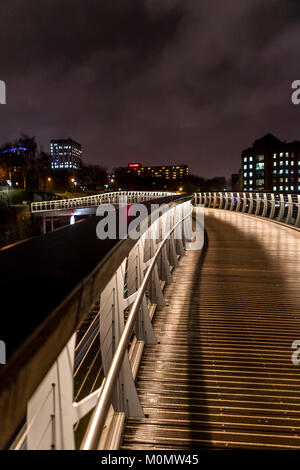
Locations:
(222, 375)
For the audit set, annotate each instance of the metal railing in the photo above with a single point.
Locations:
(95, 429)
(127, 286)
(96, 200)
(284, 208)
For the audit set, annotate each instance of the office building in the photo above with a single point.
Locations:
(65, 154)
(169, 173)
(271, 165)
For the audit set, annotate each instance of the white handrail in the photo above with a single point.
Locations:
(284, 208)
(95, 200)
(93, 433)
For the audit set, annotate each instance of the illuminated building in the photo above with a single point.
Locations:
(65, 154)
(169, 173)
(271, 165)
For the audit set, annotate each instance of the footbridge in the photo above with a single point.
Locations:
(157, 343)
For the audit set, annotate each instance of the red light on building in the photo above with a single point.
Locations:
(134, 165)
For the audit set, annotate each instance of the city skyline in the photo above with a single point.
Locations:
(141, 81)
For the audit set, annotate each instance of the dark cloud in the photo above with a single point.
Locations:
(150, 80)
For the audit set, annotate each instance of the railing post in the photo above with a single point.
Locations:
(135, 262)
(238, 204)
(179, 240)
(297, 224)
(257, 209)
(265, 205)
(232, 201)
(244, 208)
(272, 211)
(226, 201)
(281, 211)
(209, 199)
(172, 246)
(112, 304)
(155, 291)
(290, 209)
(50, 410)
(250, 203)
(221, 200)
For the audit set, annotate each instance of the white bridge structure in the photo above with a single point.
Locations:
(87, 205)
(164, 345)
(126, 288)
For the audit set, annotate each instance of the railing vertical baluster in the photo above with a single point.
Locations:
(298, 211)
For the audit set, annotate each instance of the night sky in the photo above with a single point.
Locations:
(153, 81)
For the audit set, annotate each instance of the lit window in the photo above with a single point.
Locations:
(292, 188)
(281, 163)
(245, 167)
(292, 163)
(250, 182)
(274, 155)
(274, 163)
(274, 188)
(280, 188)
(250, 159)
(281, 154)
(250, 174)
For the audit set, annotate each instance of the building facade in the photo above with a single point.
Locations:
(271, 165)
(66, 154)
(169, 173)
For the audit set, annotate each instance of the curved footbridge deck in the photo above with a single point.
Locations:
(222, 374)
